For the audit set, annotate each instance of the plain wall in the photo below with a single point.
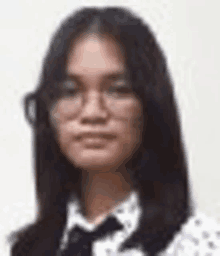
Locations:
(189, 34)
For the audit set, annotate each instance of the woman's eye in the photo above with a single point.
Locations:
(71, 91)
(69, 87)
(120, 90)
(68, 84)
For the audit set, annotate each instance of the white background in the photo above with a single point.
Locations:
(189, 33)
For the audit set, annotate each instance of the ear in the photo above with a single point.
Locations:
(30, 102)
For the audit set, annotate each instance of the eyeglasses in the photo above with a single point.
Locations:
(116, 96)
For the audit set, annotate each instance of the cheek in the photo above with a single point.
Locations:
(65, 137)
(64, 110)
(135, 116)
(136, 129)
(61, 130)
(131, 134)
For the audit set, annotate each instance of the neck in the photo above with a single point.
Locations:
(103, 191)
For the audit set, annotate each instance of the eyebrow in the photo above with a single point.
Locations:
(108, 75)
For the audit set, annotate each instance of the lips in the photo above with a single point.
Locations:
(91, 135)
(96, 140)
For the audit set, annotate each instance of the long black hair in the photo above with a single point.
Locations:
(159, 165)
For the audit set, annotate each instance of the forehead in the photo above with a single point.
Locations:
(94, 55)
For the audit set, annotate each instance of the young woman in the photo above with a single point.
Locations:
(111, 169)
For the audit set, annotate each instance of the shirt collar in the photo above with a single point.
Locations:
(127, 213)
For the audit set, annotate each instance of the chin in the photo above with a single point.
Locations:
(99, 164)
(97, 160)
(89, 166)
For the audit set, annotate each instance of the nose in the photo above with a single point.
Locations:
(93, 110)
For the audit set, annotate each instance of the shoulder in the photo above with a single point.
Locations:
(200, 236)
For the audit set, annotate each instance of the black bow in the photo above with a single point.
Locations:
(80, 242)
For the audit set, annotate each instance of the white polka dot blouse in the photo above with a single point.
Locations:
(199, 236)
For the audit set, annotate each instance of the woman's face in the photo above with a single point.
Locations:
(97, 98)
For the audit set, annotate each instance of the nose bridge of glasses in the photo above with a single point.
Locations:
(94, 101)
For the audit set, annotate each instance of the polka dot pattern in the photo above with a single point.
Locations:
(199, 236)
